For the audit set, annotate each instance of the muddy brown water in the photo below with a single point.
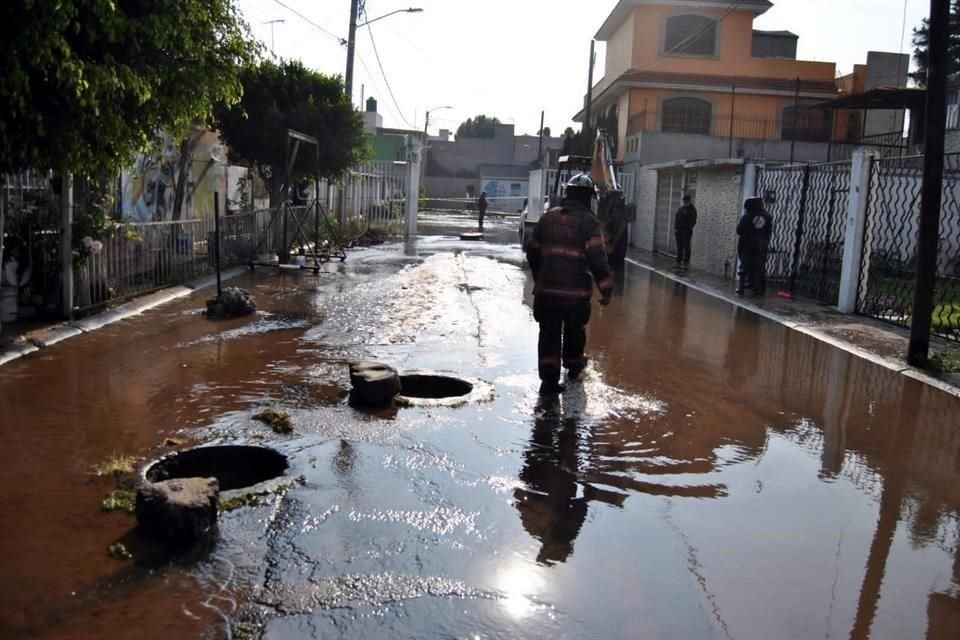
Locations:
(714, 476)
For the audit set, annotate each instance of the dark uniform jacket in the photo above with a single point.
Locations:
(686, 218)
(563, 250)
(755, 229)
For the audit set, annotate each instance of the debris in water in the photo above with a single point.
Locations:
(246, 500)
(279, 421)
(116, 465)
(120, 500)
(233, 302)
(119, 551)
(174, 442)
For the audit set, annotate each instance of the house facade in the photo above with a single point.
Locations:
(680, 68)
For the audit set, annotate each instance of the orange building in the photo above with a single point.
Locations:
(698, 67)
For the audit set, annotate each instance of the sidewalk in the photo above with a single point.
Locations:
(880, 343)
(40, 335)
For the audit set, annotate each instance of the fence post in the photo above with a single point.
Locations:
(801, 223)
(413, 193)
(751, 181)
(66, 245)
(854, 269)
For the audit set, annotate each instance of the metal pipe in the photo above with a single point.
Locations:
(216, 241)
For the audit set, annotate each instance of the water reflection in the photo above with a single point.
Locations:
(552, 507)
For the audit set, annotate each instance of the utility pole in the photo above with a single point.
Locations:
(929, 231)
(540, 142)
(796, 120)
(351, 48)
(587, 114)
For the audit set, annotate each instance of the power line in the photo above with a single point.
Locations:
(311, 22)
(386, 80)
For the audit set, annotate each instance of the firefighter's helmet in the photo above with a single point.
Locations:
(581, 181)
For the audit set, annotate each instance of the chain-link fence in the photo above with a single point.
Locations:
(809, 208)
(888, 265)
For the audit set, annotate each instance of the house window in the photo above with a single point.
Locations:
(686, 115)
(806, 124)
(690, 35)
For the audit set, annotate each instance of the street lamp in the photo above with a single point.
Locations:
(387, 15)
(427, 123)
(271, 23)
(352, 40)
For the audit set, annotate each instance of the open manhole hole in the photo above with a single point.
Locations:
(434, 389)
(234, 466)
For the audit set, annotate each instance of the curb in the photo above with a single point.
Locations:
(813, 332)
(48, 336)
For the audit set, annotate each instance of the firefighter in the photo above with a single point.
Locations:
(754, 229)
(563, 250)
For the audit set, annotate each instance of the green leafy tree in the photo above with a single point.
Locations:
(287, 95)
(87, 84)
(921, 45)
(479, 127)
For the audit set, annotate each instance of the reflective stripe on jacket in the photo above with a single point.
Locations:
(564, 250)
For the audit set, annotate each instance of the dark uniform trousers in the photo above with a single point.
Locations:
(563, 337)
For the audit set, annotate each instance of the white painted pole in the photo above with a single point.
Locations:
(413, 193)
(66, 245)
(853, 266)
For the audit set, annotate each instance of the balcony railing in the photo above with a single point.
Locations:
(811, 125)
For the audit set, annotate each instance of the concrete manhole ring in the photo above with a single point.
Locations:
(440, 389)
(234, 466)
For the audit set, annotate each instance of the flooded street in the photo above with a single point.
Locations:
(715, 475)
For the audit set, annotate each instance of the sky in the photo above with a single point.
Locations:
(513, 59)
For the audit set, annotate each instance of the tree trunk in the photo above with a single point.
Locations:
(183, 168)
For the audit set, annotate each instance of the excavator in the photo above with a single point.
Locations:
(612, 209)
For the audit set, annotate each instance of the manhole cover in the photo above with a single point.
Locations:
(434, 389)
(234, 466)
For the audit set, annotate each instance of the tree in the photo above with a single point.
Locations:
(479, 127)
(88, 83)
(545, 132)
(287, 95)
(921, 45)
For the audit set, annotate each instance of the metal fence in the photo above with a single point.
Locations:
(888, 263)
(375, 195)
(809, 208)
(138, 258)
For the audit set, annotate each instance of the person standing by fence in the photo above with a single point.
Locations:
(482, 207)
(754, 229)
(686, 220)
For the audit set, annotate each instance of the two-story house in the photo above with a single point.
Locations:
(689, 79)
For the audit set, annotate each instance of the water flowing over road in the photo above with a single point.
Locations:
(715, 475)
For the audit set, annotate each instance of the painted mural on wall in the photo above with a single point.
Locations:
(505, 195)
(149, 187)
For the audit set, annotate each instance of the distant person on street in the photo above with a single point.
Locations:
(567, 255)
(482, 207)
(754, 229)
(686, 220)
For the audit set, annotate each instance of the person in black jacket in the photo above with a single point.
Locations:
(754, 229)
(482, 207)
(686, 220)
(563, 250)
